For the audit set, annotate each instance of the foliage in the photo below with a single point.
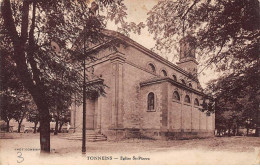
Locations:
(9, 104)
(234, 106)
(30, 27)
(228, 36)
(227, 32)
(23, 110)
(33, 115)
(12, 90)
(208, 105)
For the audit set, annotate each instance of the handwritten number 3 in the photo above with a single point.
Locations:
(19, 155)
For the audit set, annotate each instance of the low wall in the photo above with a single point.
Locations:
(120, 134)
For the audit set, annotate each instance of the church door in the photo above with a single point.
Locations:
(90, 117)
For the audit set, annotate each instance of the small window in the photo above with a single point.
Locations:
(176, 95)
(151, 67)
(183, 82)
(174, 77)
(164, 73)
(196, 102)
(190, 85)
(187, 99)
(150, 101)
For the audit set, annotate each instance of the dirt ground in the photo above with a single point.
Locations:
(24, 149)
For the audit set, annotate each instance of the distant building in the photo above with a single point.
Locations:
(146, 95)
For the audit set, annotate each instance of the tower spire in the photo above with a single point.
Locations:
(187, 59)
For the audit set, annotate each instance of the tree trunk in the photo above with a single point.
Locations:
(257, 131)
(229, 130)
(61, 124)
(35, 86)
(218, 132)
(44, 115)
(247, 131)
(56, 126)
(19, 127)
(35, 126)
(237, 130)
(7, 125)
(234, 129)
(44, 128)
(20, 123)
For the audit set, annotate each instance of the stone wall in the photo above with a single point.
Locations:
(125, 105)
(140, 59)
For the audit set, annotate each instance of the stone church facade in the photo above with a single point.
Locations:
(146, 95)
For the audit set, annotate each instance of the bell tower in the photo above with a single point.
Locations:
(187, 55)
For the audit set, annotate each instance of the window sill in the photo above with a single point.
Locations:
(177, 101)
(151, 111)
(188, 104)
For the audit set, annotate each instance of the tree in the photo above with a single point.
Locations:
(21, 112)
(207, 21)
(11, 90)
(8, 106)
(233, 108)
(30, 26)
(228, 36)
(33, 116)
(15, 105)
(64, 118)
(26, 106)
(61, 114)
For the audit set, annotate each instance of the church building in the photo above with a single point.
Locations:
(147, 96)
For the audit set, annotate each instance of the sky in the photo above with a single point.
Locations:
(137, 12)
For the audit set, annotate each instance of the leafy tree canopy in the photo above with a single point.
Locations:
(227, 36)
(38, 35)
(227, 32)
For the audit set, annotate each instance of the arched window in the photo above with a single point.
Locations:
(190, 85)
(150, 101)
(174, 77)
(164, 73)
(151, 67)
(196, 102)
(187, 99)
(176, 95)
(183, 82)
